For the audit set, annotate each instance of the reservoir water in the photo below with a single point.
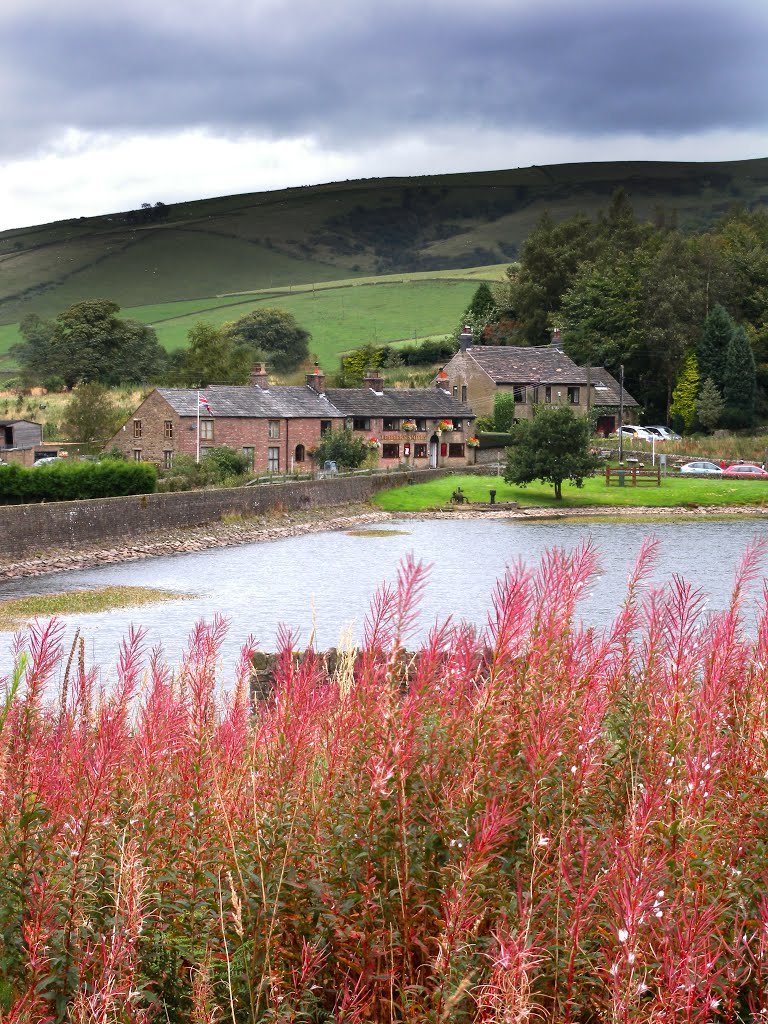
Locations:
(326, 581)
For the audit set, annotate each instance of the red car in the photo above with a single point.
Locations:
(746, 471)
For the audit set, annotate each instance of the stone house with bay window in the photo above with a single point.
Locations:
(542, 375)
(277, 426)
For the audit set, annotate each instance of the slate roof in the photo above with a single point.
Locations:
(279, 402)
(506, 364)
(423, 402)
(606, 389)
(303, 402)
(545, 365)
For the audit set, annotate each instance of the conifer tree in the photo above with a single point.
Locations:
(713, 345)
(710, 405)
(739, 381)
(683, 407)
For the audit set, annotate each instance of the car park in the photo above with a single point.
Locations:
(701, 468)
(746, 471)
(633, 433)
(663, 434)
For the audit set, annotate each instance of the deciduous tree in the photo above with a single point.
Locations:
(552, 447)
(273, 333)
(88, 341)
(91, 417)
(214, 357)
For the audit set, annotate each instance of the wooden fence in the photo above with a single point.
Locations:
(632, 476)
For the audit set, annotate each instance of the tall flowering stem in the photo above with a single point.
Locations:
(533, 820)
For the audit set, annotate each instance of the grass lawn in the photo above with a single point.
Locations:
(16, 612)
(675, 492)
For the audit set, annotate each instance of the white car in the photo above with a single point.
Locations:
(663, 434)
(701, 469)
(632, 433)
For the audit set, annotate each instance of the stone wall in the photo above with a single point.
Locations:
(26, 529)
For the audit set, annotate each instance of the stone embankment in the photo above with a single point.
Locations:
(273, 526)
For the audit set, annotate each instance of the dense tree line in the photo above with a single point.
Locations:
(640, 294)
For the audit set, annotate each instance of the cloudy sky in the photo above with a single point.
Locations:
(110, 103)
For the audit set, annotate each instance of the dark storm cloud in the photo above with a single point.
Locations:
(347, 74)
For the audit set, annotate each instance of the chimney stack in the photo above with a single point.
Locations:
(316, 380)
(373, 380)
(465, 338)
(258, 376)
(557, 341)
(442, 382)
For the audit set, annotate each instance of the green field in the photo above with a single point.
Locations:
(675, 492)
(339, 316)
(341, 230)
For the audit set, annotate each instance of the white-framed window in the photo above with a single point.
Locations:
(167, 458)
(274, 428)
(573, 396)
(249, 454)
(273, 460)
(137, 455)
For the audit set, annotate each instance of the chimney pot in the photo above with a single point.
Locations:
(258, 376)
(316, 380)
(373, 379)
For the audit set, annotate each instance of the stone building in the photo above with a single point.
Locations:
(534, 375)
(277, 426)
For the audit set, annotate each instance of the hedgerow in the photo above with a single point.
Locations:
(534, 821)
(73, 481)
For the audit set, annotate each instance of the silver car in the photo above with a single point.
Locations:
(701, 469)
(663, 434)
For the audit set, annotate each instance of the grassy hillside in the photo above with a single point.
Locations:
(339, 316)
(338, 231)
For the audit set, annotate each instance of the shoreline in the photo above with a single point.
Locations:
(292, 524)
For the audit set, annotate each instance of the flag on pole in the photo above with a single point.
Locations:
(204, 402)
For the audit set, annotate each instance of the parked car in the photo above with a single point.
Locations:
(47, 460)
(663, 434)
(746, 471)
(701, 469)
(632, 433)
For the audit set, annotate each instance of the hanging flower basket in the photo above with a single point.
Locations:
(473, 442)
(444, 426)
(373, 443)
(408, 425)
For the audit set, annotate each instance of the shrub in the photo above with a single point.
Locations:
(341, 447)
(75, 481)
